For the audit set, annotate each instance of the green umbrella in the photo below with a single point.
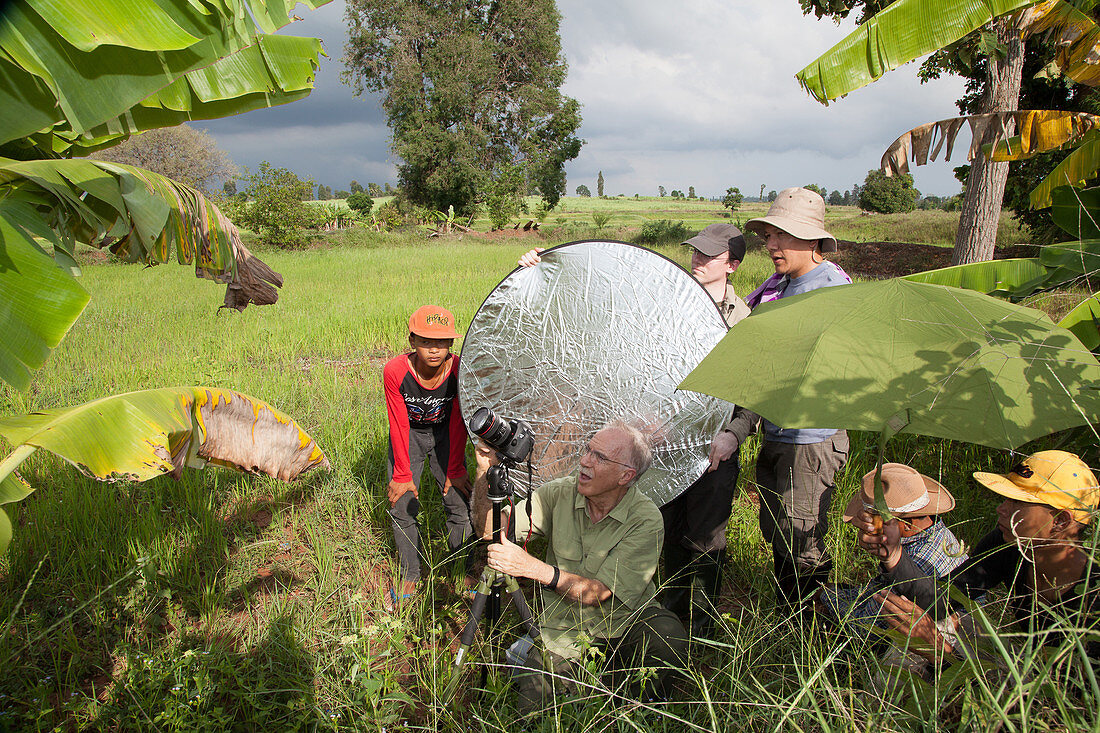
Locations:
(900, 356)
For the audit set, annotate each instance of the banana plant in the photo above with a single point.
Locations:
(1077, 263)
(141, 435)
(80, 75)
(909, 29)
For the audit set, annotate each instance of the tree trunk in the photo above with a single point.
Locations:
(985, 187)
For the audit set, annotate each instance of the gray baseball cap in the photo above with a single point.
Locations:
(719, 238)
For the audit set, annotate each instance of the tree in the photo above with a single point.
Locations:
(733, 198)
(355, 187)
(361, 203)
(54, 107)
(374, 190)
(388, 189)
(772, 195)
(661, 191)
(229, 188)
(819, 190)
(582, 190)
(835, 198)
(599, 185)
(888, 194)
(853, 63)
(181, 153)
(691, 192)
(324, 193)
(505, 199)
(478, 92)
(342, 194)
(276, 208)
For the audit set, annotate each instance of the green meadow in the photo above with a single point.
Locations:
(230, 602)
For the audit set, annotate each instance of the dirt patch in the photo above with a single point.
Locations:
(881, 260)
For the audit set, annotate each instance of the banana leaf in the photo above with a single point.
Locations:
(139, 215)
(1077, 211)
(1015, 278)
(1074, 34)
(904, 31)
(141, 435)
(1084, 321)
(39, 301)
(1039, 131)
(1076, 168)
(77, 65)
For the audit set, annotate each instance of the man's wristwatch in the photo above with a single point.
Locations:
(553, 584)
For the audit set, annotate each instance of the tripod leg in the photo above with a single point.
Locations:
(522, 608)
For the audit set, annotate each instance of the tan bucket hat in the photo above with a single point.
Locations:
(799, 212)
(1052, 477)
(908, 493)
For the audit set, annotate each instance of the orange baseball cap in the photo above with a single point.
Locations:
(433, 322)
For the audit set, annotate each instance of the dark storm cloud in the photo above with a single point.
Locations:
(698, 93)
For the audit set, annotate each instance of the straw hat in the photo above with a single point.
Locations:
(908, 493)
(799, 212)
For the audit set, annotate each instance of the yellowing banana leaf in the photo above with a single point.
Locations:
(904, 31)
(1076, 168)
(61, 68)
(1084, 321)
(1073, 32)
(1015, 278)
(1042, 131)
(140, 435)
(1039, 131)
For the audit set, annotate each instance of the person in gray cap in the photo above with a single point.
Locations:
(796, 469)
(695, 521)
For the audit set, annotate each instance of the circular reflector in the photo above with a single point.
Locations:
(596, 331)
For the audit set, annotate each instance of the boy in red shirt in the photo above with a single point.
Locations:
(421, 390)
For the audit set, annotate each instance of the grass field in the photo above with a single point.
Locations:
(227, 602)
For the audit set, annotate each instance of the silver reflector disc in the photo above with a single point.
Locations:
(597, 331)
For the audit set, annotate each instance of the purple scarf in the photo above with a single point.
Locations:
(774, 286)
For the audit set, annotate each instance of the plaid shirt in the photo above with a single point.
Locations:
(936, 551)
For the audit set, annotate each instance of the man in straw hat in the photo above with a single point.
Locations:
(916, 502)
(796, 469)
(1035, 551)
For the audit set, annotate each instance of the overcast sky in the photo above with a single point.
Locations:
(698, 93)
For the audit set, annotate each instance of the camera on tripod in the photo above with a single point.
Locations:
(512, 439)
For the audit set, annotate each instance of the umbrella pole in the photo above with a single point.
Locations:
(892, 427)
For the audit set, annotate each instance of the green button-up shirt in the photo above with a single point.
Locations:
(621, 551)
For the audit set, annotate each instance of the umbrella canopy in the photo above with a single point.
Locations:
(964, 365)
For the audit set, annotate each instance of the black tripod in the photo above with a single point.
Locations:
(488, 589)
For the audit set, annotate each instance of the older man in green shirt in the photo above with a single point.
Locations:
(604, 541)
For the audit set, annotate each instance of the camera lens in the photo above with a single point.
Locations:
(489, 427)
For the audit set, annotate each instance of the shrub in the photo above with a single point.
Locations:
(360, 202)
(888, 194)
(663, 231)
(277, 210)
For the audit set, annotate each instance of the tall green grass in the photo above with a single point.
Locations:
(228, 602)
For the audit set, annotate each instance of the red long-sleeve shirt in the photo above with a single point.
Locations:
(409, 404)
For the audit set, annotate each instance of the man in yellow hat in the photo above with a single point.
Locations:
(1035, 551)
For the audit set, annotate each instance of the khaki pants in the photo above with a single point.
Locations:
(797, 483)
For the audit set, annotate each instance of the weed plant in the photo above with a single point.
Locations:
(228, 602)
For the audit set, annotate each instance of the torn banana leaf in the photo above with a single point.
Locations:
(1039, 131)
